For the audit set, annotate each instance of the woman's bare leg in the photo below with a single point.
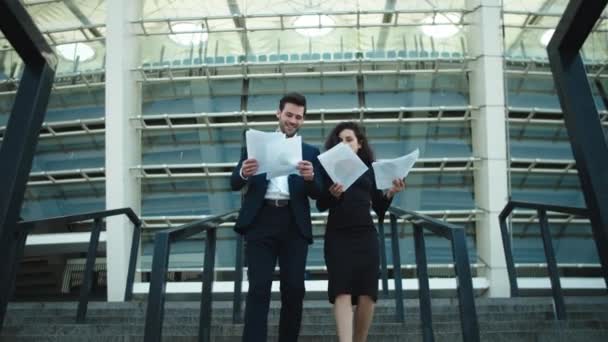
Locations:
(343, 312)
(364, 315)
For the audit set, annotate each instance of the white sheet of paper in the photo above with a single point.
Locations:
(257, 142)
(342, 165)
(284, 156)
(385, 171)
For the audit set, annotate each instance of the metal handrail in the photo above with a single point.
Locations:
(542, 209)
(160, 264)
(456, 235)
(26, 227)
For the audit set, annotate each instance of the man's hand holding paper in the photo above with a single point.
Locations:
(271, 153)
(284, 156)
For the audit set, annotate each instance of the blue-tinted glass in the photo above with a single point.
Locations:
(539, 141)
(71, 152)
(192, 146)
(416, 90)
(573, 243)
(539, 92)
(190, 253)
(438, 250)
(43, 201)
(197, 196)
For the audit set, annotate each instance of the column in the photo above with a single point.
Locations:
(123, 142)
(487, 92)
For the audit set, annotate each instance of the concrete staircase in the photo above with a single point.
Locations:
(519, 319)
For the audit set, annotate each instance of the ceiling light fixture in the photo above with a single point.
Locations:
(72, 51)
(314, 25)
(441, 25)
(194, 33)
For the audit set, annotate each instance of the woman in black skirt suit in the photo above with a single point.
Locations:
(351, 241)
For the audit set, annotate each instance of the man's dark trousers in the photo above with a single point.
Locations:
(274, 236)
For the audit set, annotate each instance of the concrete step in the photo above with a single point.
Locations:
(89, 330)
(511, 319)
(101, 334)
(509, 336)
(439, 306)
(312, 318)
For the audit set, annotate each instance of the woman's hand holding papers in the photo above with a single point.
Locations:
(336, 190)
(398, 185)
(249, 168)
(306, 170)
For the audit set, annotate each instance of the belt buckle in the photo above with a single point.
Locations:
(278, 203)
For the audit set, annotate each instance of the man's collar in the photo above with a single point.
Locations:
(279, 130)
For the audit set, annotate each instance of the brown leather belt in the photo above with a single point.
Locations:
(277, 203)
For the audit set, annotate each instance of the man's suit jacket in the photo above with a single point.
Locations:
(299, 191)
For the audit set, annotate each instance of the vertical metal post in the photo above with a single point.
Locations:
(18, 256)
(7, 271)
(556, 288)
(132, 262)
(506, 243)
(16, 155)
(424, 291)
(468, 313)
(204, 332)
(587, 138)
(156, 295)
(383, 266)
(85, 288)
(399, 311)
(11, 268)
(238, 281)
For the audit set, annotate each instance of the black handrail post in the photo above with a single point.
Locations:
(22, 129)
(7, 273)
(12, 268)
(156, 294)
(85, 288)
(424, 291)
(383, 266)
(400, 315)
(468, 313)
(132, 262)
(506, 244)
(17, 256)
(580, 113)
(238, 281)
(204, 332)
(556, 288)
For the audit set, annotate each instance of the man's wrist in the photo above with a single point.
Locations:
(241, 174)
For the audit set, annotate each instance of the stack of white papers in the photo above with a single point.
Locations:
(385, 171)
(284, 157)
(342, 165)
(276, 154)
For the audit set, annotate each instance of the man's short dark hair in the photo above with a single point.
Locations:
(295, 98)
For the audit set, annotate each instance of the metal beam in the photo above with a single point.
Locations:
(21, 136)
(387, 18)
(529, 21)
(83, 19)
(239, 22)
(587, 139)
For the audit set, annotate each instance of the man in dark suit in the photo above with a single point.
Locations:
(275, 220)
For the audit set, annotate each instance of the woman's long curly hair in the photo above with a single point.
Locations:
(365, 152)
